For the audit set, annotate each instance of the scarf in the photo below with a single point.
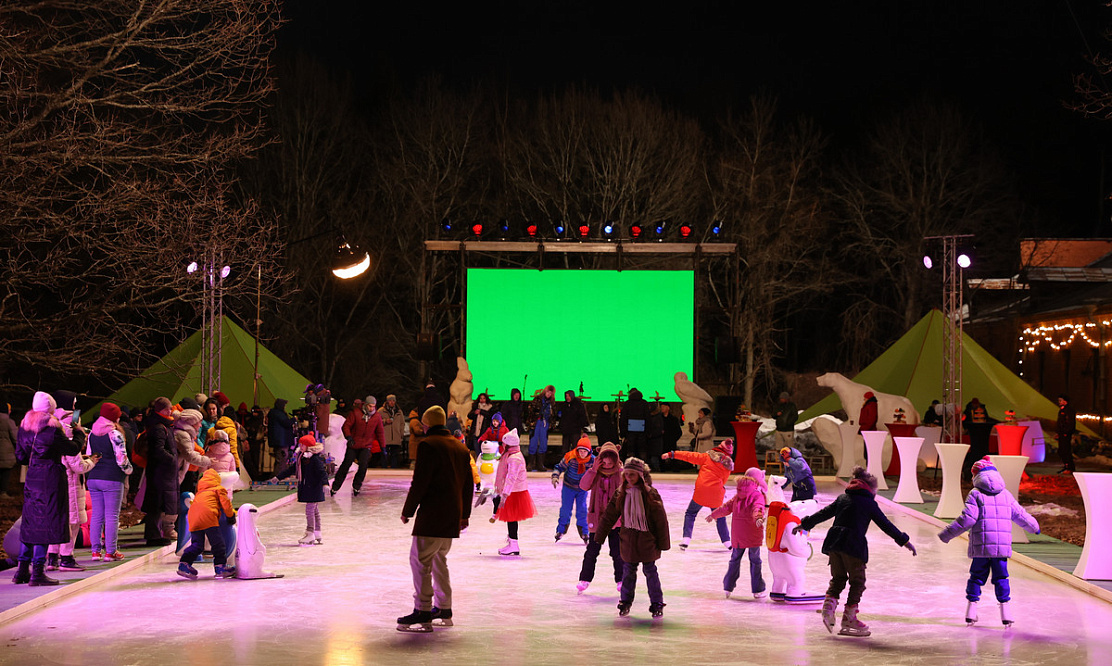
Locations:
(633, 513)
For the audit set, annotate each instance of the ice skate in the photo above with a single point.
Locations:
(306, 540)
(559, 535)
(851, 626)
(581, 586)
(418, 622)
(482, 497)
(727, 593)
(316, 538)
(441, 617)
(971, 613)
(760, 595)
(657, 610)
(224, 571)
(186, 571)
(829, 608)
(1006, 615)
(685, 543)
(511, 548)
(623, 608)
(584, 534)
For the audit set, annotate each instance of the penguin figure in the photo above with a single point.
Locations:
(250, 551)
(183, 522)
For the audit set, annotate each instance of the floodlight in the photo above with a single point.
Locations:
(191, 268)
(225, 272)
(928, 263)
(349, 262)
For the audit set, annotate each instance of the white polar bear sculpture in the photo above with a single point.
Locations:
(250, 551)
(788, 552)
(694, 398)
(459, 400)
(852, 395)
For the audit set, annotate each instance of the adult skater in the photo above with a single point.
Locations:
(710, 486)
(541, 412)
(364, 431)
(514, 411)
(440, 494)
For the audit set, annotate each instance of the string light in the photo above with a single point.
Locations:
(1093, 417)
(1062, 336)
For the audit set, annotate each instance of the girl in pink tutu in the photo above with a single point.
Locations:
(512, 501)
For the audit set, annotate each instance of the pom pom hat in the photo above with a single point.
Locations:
(982, 465)
(434, 416)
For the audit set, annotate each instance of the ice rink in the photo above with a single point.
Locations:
(338, 602)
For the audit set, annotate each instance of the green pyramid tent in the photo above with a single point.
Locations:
(178, 373)
(912, 367)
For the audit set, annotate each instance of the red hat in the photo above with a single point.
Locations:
(307, 440)
(727, 447)
(110, 412)
(222, 399)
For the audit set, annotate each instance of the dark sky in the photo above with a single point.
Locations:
(1009, 63)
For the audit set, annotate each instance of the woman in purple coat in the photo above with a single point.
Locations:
(41, 444)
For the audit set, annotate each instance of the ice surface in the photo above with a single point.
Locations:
(338, 602)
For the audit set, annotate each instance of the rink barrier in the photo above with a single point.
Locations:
(1017, 557)
(66, 590)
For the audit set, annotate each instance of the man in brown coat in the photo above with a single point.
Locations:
(440, 495)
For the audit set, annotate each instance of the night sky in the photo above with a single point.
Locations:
(1007, 63)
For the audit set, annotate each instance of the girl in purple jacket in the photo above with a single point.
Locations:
(989, 513)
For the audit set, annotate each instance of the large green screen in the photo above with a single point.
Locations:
(609, 330)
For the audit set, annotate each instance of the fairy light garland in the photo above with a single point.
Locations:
(1060, 337)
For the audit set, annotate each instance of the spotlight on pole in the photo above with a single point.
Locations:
(659, 230)
(584, 230)
(685, 231)
(560, 229)
(446, 227)
(928, 263)
(964, 260)
(635, 230)
(349, 261)
(191, 268)
(477, 229)
(716, 230)
(608, 231)
(504, 229)
(531, 229)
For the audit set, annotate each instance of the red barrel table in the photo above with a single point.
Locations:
(745, 444)
(1009, 439)
(898, 430)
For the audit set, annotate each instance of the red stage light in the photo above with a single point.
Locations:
(685, 230)
(584, 230)
(477, 229)
(531, 229)
(635, 231)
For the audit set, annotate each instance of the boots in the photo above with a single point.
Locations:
(418, 621)
(511, 548)
(971, 613)
(39, 577)
(685, 543)
(316, 538)
(1006, 614)
(22, 574)
(52, 562)
(851, 626)
(582, 586)
(584, 534)
(829, 608)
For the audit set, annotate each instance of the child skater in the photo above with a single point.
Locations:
(989, 513)
(311, 482)
(644, 533)
(210, 503)
(746, 530)
(573, 466)
(710, 486)
(601, 480)
(512, 502)
(798, 474)
(848, 548)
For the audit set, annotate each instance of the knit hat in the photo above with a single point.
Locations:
(497, 418)
(370, 400)
(222, 399)
(983, 464)
(190, 417)
(306, 441)
(110, 411)
(434, 416)
(726, 447)
(510, 439)
(869, 394)
(758, 476)
(391, 396)
(584, 443)
(189, 403)
(217, 435)
(43, 402)
(862, 479)
(784, 395)
(635, 464)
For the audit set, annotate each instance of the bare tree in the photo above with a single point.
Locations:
(120, 123)
(765, 190)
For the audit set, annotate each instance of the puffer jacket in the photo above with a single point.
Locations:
(185, 438)
(219, 453)
(989, 513)
(75, 467)
(637, 545)
(211, 501)
(511, 476)
(714, 470)
(41, 443)
(229, 426)
(798, 472)
(748, 509)
(602, 480)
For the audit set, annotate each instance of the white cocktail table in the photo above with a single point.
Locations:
(848, 432)
(907, 492)
(1096, 556)
(951, 503)
(874, 445)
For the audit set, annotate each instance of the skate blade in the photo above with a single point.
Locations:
(423, 628)
(443, 622)
(854, 633)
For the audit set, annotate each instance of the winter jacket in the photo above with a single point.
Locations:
(673, 430)
(107, 439)
(75, 467)
(279, 427)
(219, 453)
(190, 456)
(540, 409)
(798, 472)
(573, 417)
(606, 428)
(210, 503)
(867, 419)
(365, 430)
(511, 476)
(852, 512)
(232, 428)
(635, 410)
(480, 419)
(416, 432)
(430, 397)
(703, 429)
(786, 416)
(203, 429)
(714, 470)
(1065, 426)
(41, 443)
(602, 481)
(8, 435)
(493, 435)
(989, 513)
(441, 491)
(513, 411)
(162, 467)
(572, 468)
(748, 509)
(312, 476)
(395, 429)
(637, 545)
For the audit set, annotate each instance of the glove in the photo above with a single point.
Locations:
(943, 538)
(478, 487)
(797, 529)
(555, 481)
(911, 547)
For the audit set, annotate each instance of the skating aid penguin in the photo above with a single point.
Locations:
(250, 551)
(488, 467)
(787, 552)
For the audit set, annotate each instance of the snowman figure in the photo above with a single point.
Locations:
(488, 467)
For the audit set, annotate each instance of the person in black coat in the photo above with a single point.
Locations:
(41, 443)
(978, 424)
(606, 428)
(573, 421)
(654, 437)
(673, 430)
(513, 411)
(160, 501)
(431, 397)
(634, 419)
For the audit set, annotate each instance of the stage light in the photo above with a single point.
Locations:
(504, 228)
(928, 263)
(225, 272)
(349, 262)
(531, 229)
(446, 226)
(477, 229)
(685, 231)
(716, 229)
(560, 229)
(964, 261)
(191, 268)
(584, 230)
(659, 231)
(635, 231)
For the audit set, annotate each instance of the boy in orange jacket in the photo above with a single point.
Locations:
(204, 521)
(710, 486)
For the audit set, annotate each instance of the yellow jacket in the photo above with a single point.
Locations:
(211, 499)
(229, 426)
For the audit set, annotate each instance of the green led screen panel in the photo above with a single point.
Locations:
(609, 330)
